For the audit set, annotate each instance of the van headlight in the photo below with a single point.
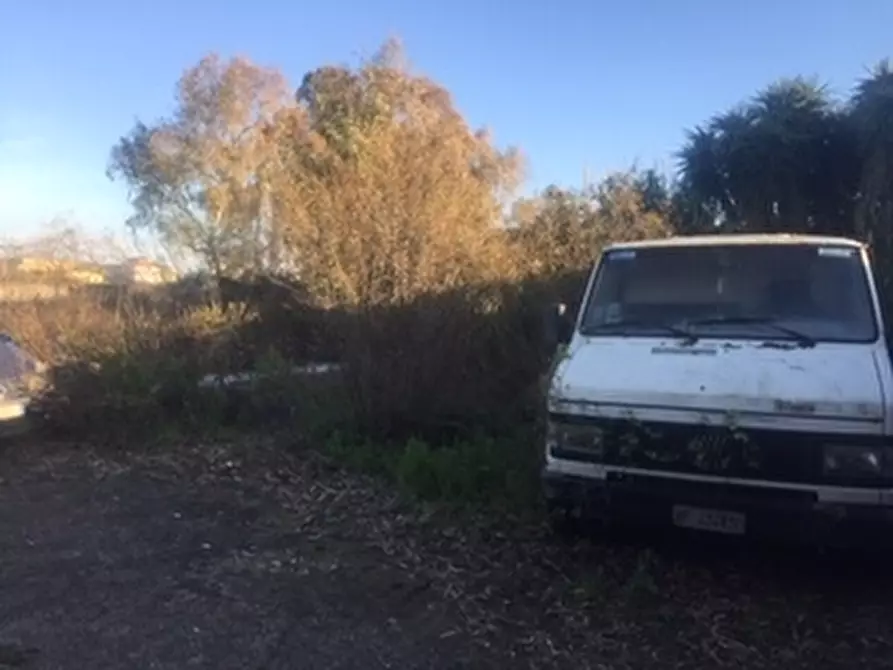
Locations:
(853, 461)
(573, 437)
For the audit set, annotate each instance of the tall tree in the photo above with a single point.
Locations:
(201, 178)
(564, 230)
(556, 231)
(386, 191)
(782, 162)
(872, 118)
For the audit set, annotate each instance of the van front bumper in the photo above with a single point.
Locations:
(771, 510)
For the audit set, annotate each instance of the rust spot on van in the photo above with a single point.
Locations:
(774, 344)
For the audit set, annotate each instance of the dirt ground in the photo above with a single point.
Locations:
(244, 555)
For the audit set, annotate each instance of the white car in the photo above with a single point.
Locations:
(731, 384)
(18, 372)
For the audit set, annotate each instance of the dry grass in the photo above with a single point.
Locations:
(110, 364)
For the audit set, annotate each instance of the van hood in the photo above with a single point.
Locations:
(828, 381)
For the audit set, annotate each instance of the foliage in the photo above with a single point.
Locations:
(360, 218)
(120, 366)
(793, 159)
(566, 229)
(782, 162)
(871, 111)
(500, 474)
(201, 178)
(387, 192)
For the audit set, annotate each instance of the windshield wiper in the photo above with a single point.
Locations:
(802, 339)
(643, 323)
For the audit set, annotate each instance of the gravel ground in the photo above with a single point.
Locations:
(242, 555)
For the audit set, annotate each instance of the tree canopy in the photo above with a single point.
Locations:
(793, 159)
(367, 181)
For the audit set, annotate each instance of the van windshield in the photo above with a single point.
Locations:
(803, 292)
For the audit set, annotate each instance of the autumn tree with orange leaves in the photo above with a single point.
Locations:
(368, 185)
(367, 182)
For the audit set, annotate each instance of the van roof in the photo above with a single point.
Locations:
(736, 239)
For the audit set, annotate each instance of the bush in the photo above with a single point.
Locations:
(442, 366)
(122, 367)
(500, 474)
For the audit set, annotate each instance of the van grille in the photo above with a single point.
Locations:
(774, 455)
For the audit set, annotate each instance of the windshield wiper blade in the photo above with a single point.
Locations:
(802, 339)
(644, 323)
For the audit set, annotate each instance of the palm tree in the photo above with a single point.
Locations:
(872, 116)
(764, 165)
(871, 113)
(702, 195)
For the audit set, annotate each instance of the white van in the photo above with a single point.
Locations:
(727, 383)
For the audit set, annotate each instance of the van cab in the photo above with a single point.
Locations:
(728, 383)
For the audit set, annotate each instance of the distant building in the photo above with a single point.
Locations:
(45, 266)
(139, 271)
(37, 268)
(30, 269)
(87, 275)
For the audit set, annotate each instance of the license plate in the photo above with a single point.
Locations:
(713, 520)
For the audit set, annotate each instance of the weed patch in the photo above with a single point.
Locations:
(494, 473)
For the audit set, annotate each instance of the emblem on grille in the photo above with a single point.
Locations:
(711, 451)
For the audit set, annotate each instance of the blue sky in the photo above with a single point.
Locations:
(577, 84)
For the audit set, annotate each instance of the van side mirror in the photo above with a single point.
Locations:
(561, 325)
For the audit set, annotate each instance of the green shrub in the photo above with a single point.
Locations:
(485, 472)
